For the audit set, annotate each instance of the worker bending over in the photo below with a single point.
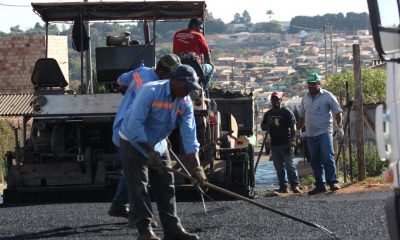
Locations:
(160, 107)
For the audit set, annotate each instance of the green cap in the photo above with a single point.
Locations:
(313, 78)
(169, 61)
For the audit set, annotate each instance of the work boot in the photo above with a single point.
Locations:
(180, 235)
(118, 210)
(334, 187)
(295, 189)
(131, 223)
(317, 190)
(283, 190)
(148, 235)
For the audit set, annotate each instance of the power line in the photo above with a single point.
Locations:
(12, 5)
(306, 28)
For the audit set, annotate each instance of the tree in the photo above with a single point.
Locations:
(270, 13)
(214, 25)
(373, 81)
(273, 26)
(237, 18)
(246, 19)
(352, 21)
(38, 26)
(15, 30)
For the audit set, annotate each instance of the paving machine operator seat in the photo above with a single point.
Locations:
(190, 59)
(47, 74)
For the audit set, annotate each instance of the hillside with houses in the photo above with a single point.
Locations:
(264, 62)
(253, 58)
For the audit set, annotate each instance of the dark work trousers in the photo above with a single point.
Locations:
(139, 177)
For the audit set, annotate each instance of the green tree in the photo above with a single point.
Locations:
(352, 21)
(6, 144)
(237, 18)
(246, 19)
(214, 25)
(270, 13)
(373, 83)
(273, 26)
(15, 30)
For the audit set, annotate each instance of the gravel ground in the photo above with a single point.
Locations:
(349, 216)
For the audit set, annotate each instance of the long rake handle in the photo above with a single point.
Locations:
(240, 197)
(261, 150)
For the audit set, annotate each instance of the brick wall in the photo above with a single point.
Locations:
(18, 55)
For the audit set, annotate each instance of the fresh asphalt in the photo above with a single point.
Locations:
(349, 216)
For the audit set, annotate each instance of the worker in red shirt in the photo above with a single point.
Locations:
(190, 44)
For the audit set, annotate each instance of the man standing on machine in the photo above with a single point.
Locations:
(190, 43)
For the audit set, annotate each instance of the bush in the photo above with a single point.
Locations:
(6, 144)
(373, 166)
(308, 180)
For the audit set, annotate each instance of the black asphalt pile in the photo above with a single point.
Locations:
(349, 216)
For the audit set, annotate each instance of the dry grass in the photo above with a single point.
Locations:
(368, 185)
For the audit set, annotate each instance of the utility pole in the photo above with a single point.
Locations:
(233, 68)
(89, 76)
(358, 96)
(231, 82)
(336, 58)
(326, 56)
(331, 38)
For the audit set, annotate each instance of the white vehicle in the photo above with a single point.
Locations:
(385, 23)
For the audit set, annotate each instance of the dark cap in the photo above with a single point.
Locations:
(169, 61)
(277, 94)
(186, 73)
(195, 22)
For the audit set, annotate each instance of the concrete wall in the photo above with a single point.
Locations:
(18, 55)
(58, 49)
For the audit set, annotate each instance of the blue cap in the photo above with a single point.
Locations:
(186, 73)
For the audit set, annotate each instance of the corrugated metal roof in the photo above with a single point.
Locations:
(15, 104)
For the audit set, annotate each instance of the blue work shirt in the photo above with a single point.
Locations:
(133, 80)
(154, 115)
(317, 112)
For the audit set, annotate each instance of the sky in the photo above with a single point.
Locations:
(284, 10)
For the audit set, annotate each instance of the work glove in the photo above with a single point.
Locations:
(339, 132)
(292, 142)
(154, 161)
(300, 134)
(199, 175)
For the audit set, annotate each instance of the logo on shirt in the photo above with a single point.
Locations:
(275, 122)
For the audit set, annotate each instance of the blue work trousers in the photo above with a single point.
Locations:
(282, 157)
(322, 159)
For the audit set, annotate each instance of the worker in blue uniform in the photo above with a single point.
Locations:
(160, 107)
(129, 83)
